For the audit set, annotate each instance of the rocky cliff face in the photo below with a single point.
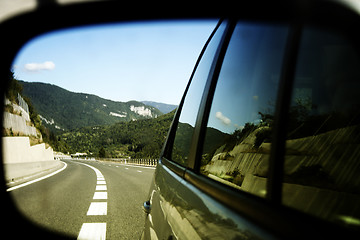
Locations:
(17, 121)
(328, 160)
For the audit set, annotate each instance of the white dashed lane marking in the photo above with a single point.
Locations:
(101, 188)
(92, 231)
(97, 208)
(100, 195)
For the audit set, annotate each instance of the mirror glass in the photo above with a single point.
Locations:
(85, 117)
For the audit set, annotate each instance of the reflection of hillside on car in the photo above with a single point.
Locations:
(265, 142)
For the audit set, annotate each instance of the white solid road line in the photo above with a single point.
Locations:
(93, 231)
(97, 208)
(38, 179)
(97, 171)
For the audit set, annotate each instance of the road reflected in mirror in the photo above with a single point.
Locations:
(86, 114)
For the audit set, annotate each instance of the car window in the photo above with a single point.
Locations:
(322, 166)
(192, 100)
(237, 140)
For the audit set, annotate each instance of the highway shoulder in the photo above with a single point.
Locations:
(35, 177)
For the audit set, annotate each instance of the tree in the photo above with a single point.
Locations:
(102, 152)
(13, 89)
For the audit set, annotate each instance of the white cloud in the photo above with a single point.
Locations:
(35, 67)
(225, 120)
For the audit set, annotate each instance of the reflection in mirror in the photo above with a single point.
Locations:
(82, 103)
(187, 120)
(322, 151)
(238, 134)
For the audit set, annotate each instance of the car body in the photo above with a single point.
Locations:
(258, 145)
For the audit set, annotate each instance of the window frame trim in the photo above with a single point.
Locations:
(283, 99)
(206, 99)
(168, 147)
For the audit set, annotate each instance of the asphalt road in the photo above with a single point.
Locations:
(62, 202)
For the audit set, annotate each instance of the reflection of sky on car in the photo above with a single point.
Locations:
(194, 94)
(249, 76)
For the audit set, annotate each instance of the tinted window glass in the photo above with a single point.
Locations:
(322, 166)
(191, 105)
(237, 140)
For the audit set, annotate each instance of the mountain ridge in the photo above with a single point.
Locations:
(63, 110)
(163, 107)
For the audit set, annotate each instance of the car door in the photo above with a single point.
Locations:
(222, 153)
(233, 137)
(242, 63)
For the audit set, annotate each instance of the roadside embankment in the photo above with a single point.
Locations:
(19, 123)
(22, 160)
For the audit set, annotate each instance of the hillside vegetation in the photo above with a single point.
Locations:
(61, 110)
(85, 123)
(136, 139)
(11, 93)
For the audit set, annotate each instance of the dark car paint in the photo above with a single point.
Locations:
(182, 211)
(201, 208)
(157, 218)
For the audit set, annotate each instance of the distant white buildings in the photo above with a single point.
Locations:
(122, 114)
(141, 110)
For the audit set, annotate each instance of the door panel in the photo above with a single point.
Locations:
(236, 136)
(206, 218)
(164, 184)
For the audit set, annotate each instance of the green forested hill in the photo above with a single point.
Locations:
(141, 138)
(137, 139)
(103, 128)
(64, 110)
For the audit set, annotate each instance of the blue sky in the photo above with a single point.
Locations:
(122, 62)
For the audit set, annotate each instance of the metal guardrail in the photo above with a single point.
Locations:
(144, 162)
(150, 162)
